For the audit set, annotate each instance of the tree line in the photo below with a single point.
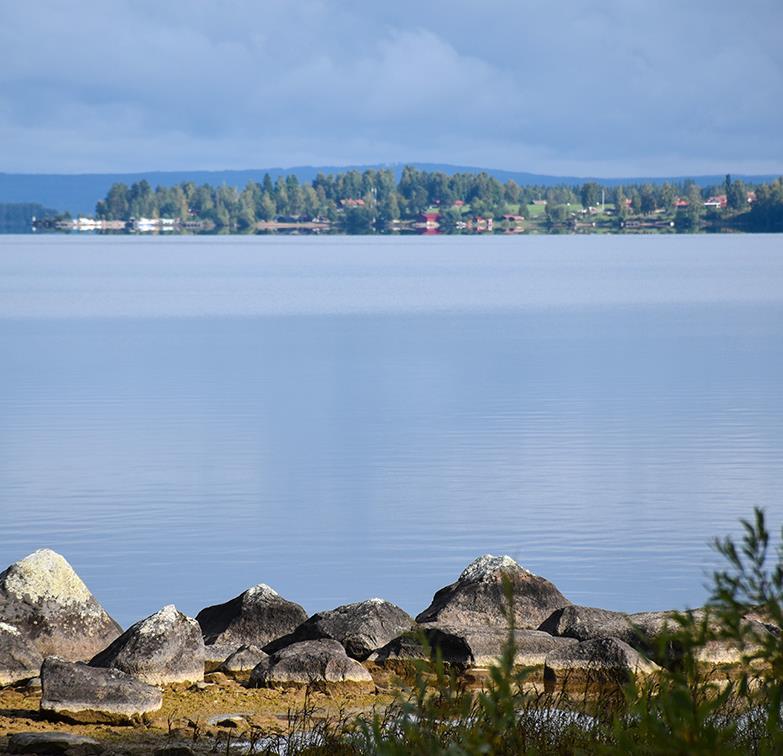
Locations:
(375, 198)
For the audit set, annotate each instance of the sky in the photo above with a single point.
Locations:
(576, 87)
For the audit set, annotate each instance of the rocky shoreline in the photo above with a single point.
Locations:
(67, 667)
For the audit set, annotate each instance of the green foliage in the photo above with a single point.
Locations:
(335, 197)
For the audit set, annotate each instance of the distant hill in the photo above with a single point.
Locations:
(78, 193)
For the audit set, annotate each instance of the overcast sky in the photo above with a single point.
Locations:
(579, 87)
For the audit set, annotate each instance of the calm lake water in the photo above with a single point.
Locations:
(350, 417)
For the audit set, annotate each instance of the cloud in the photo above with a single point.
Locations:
(576, 87)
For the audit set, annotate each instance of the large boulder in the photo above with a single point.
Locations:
(478, 597)
(255, 617)
(48, 603)
(315, 661)
(361, 627)
(76, 692)
(466, 647)
(594, 663)
(164, 648)
(19, 658)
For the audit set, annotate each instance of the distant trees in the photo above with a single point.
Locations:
(590, 194)
(767, 209)
(376, 197)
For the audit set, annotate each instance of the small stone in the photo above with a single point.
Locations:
(52, 743)
(174, 750)
(243, 660)
(231, 721)
(218, 678)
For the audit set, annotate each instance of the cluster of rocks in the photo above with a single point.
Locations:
(90, 671)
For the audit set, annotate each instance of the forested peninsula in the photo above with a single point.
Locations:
(374, 201)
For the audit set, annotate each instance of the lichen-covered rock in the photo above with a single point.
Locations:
(77, 692)
(53, 743)
(48, 603)
(471, 647)
(598, 662)
(477, 598)
(19, 658)
(164, 648)
(309, 662)
(255, 617)
(243, 660)
(361, 627)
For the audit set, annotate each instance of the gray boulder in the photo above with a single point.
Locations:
(315, 661)
(216, 653)
(48, 603)
(19, 658)
(164, 648)
(477, 598)
(653, 633)
(586, 623)
(361, 627)
(598, 662)
(76, 692)
(255, 617)
(475, 647)
(53, 744)
(244, 659)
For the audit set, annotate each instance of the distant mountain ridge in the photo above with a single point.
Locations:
(78, 193)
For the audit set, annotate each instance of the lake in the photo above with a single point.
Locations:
(346, 417)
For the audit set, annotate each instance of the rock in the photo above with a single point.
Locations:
(216, 653)
(361, 627)
(309, 662)
(78, 692)
(477, 598)
(598, 662)
(19, 658)
(243, 660)
(586, 623)
(647, 631)
(174, 750)
(233, 721)
(405, 648)
(657, 636)
(51, 743)
(218, 678)
(164, 648)
(472, 646)
(49, 604)
(255, 617)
